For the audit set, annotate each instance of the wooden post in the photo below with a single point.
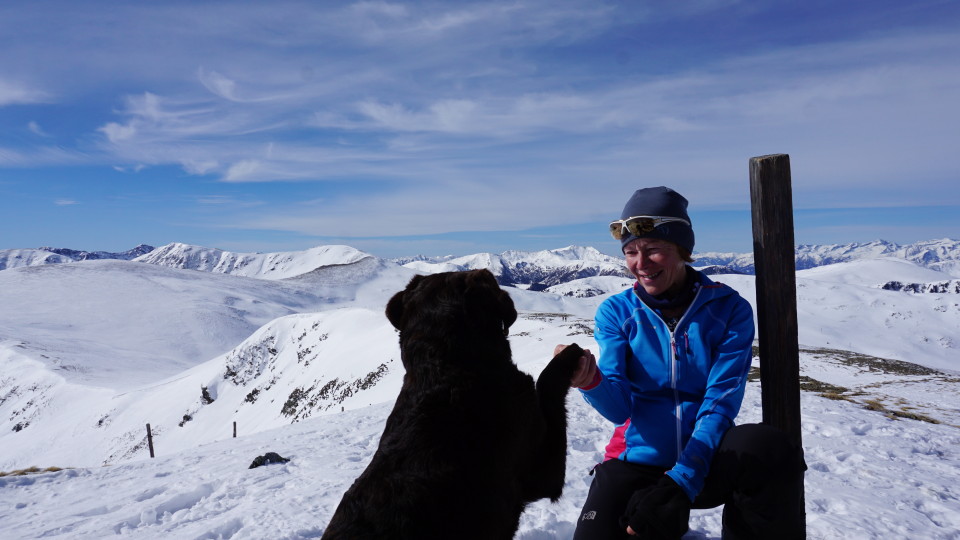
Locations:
(775, 264)
(150, 440)
(234, 430)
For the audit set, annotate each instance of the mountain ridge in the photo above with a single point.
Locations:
(16, 258)
(939, 254)
(534, 270)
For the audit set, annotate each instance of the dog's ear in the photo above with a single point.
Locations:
(395, 307)
(507, 311)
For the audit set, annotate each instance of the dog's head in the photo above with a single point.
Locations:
(472, 299)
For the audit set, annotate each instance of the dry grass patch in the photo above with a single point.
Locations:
(30, 470)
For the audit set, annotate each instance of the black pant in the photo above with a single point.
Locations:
(756, 473)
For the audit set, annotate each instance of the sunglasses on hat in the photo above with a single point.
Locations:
(640, 225)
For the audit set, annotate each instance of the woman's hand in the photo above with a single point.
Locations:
(658, 511)
(586, 372)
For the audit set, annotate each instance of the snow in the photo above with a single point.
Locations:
(868, 477)
(16, 258)
(524, 266)
(107, 322)
(870, 272)
(841, 306)
(591, 286)
(942, 255)
(278, 265)
(309, 367)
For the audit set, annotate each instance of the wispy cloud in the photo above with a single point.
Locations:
(226, 201)
(65, 202)
(47, 155)
(35, 128)
(15, 93)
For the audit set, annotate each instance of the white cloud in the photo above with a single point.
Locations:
(35, 128)
(117, 132)
(134, 169)
(218, 84)
(65, 202)
(226, 201)
(13, 93)
(248, 169)
(199, 167)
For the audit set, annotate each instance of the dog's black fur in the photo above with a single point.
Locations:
(471, 440)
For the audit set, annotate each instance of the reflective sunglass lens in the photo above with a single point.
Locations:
(640, 226)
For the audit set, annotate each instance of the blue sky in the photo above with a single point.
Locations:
(459, 127)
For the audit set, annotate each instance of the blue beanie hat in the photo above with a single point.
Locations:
(664, 202)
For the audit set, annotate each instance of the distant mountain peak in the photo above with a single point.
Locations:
(79, 255)
(279, 265)
(14, 258)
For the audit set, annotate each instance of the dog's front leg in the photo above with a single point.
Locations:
(549, 461)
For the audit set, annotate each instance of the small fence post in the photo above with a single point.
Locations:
(234, 430)
(776, 281)
(150, 440)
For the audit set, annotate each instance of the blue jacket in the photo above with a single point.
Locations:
(680, 391)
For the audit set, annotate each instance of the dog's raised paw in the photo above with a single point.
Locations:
(561, 368)
(569, 356)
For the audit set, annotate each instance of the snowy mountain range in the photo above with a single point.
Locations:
(942, 255)
(536, 271)
(14, 258)
(294, 348)
(256, 265)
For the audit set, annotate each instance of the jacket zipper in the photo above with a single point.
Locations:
(677, 409)
(674, 372)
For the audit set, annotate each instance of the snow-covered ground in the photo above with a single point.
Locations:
(308, 367)
(869, 477)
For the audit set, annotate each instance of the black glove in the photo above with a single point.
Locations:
(658, 512)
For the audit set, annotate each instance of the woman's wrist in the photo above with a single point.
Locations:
(594, 381)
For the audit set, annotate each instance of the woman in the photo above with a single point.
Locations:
(675, 351)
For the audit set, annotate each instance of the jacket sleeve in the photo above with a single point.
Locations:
(611, 398)
(726, 384)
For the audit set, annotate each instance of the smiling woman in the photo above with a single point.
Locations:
(675, 351)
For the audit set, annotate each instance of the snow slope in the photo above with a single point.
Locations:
(104, 322)
(869, 477)
(15, 258)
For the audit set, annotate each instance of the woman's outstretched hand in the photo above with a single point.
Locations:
(586, 372)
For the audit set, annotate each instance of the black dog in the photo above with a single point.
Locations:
(471, 440)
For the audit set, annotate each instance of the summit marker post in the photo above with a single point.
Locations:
(774, 256)
(775, 263)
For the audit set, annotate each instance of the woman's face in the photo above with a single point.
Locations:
(656, 264)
